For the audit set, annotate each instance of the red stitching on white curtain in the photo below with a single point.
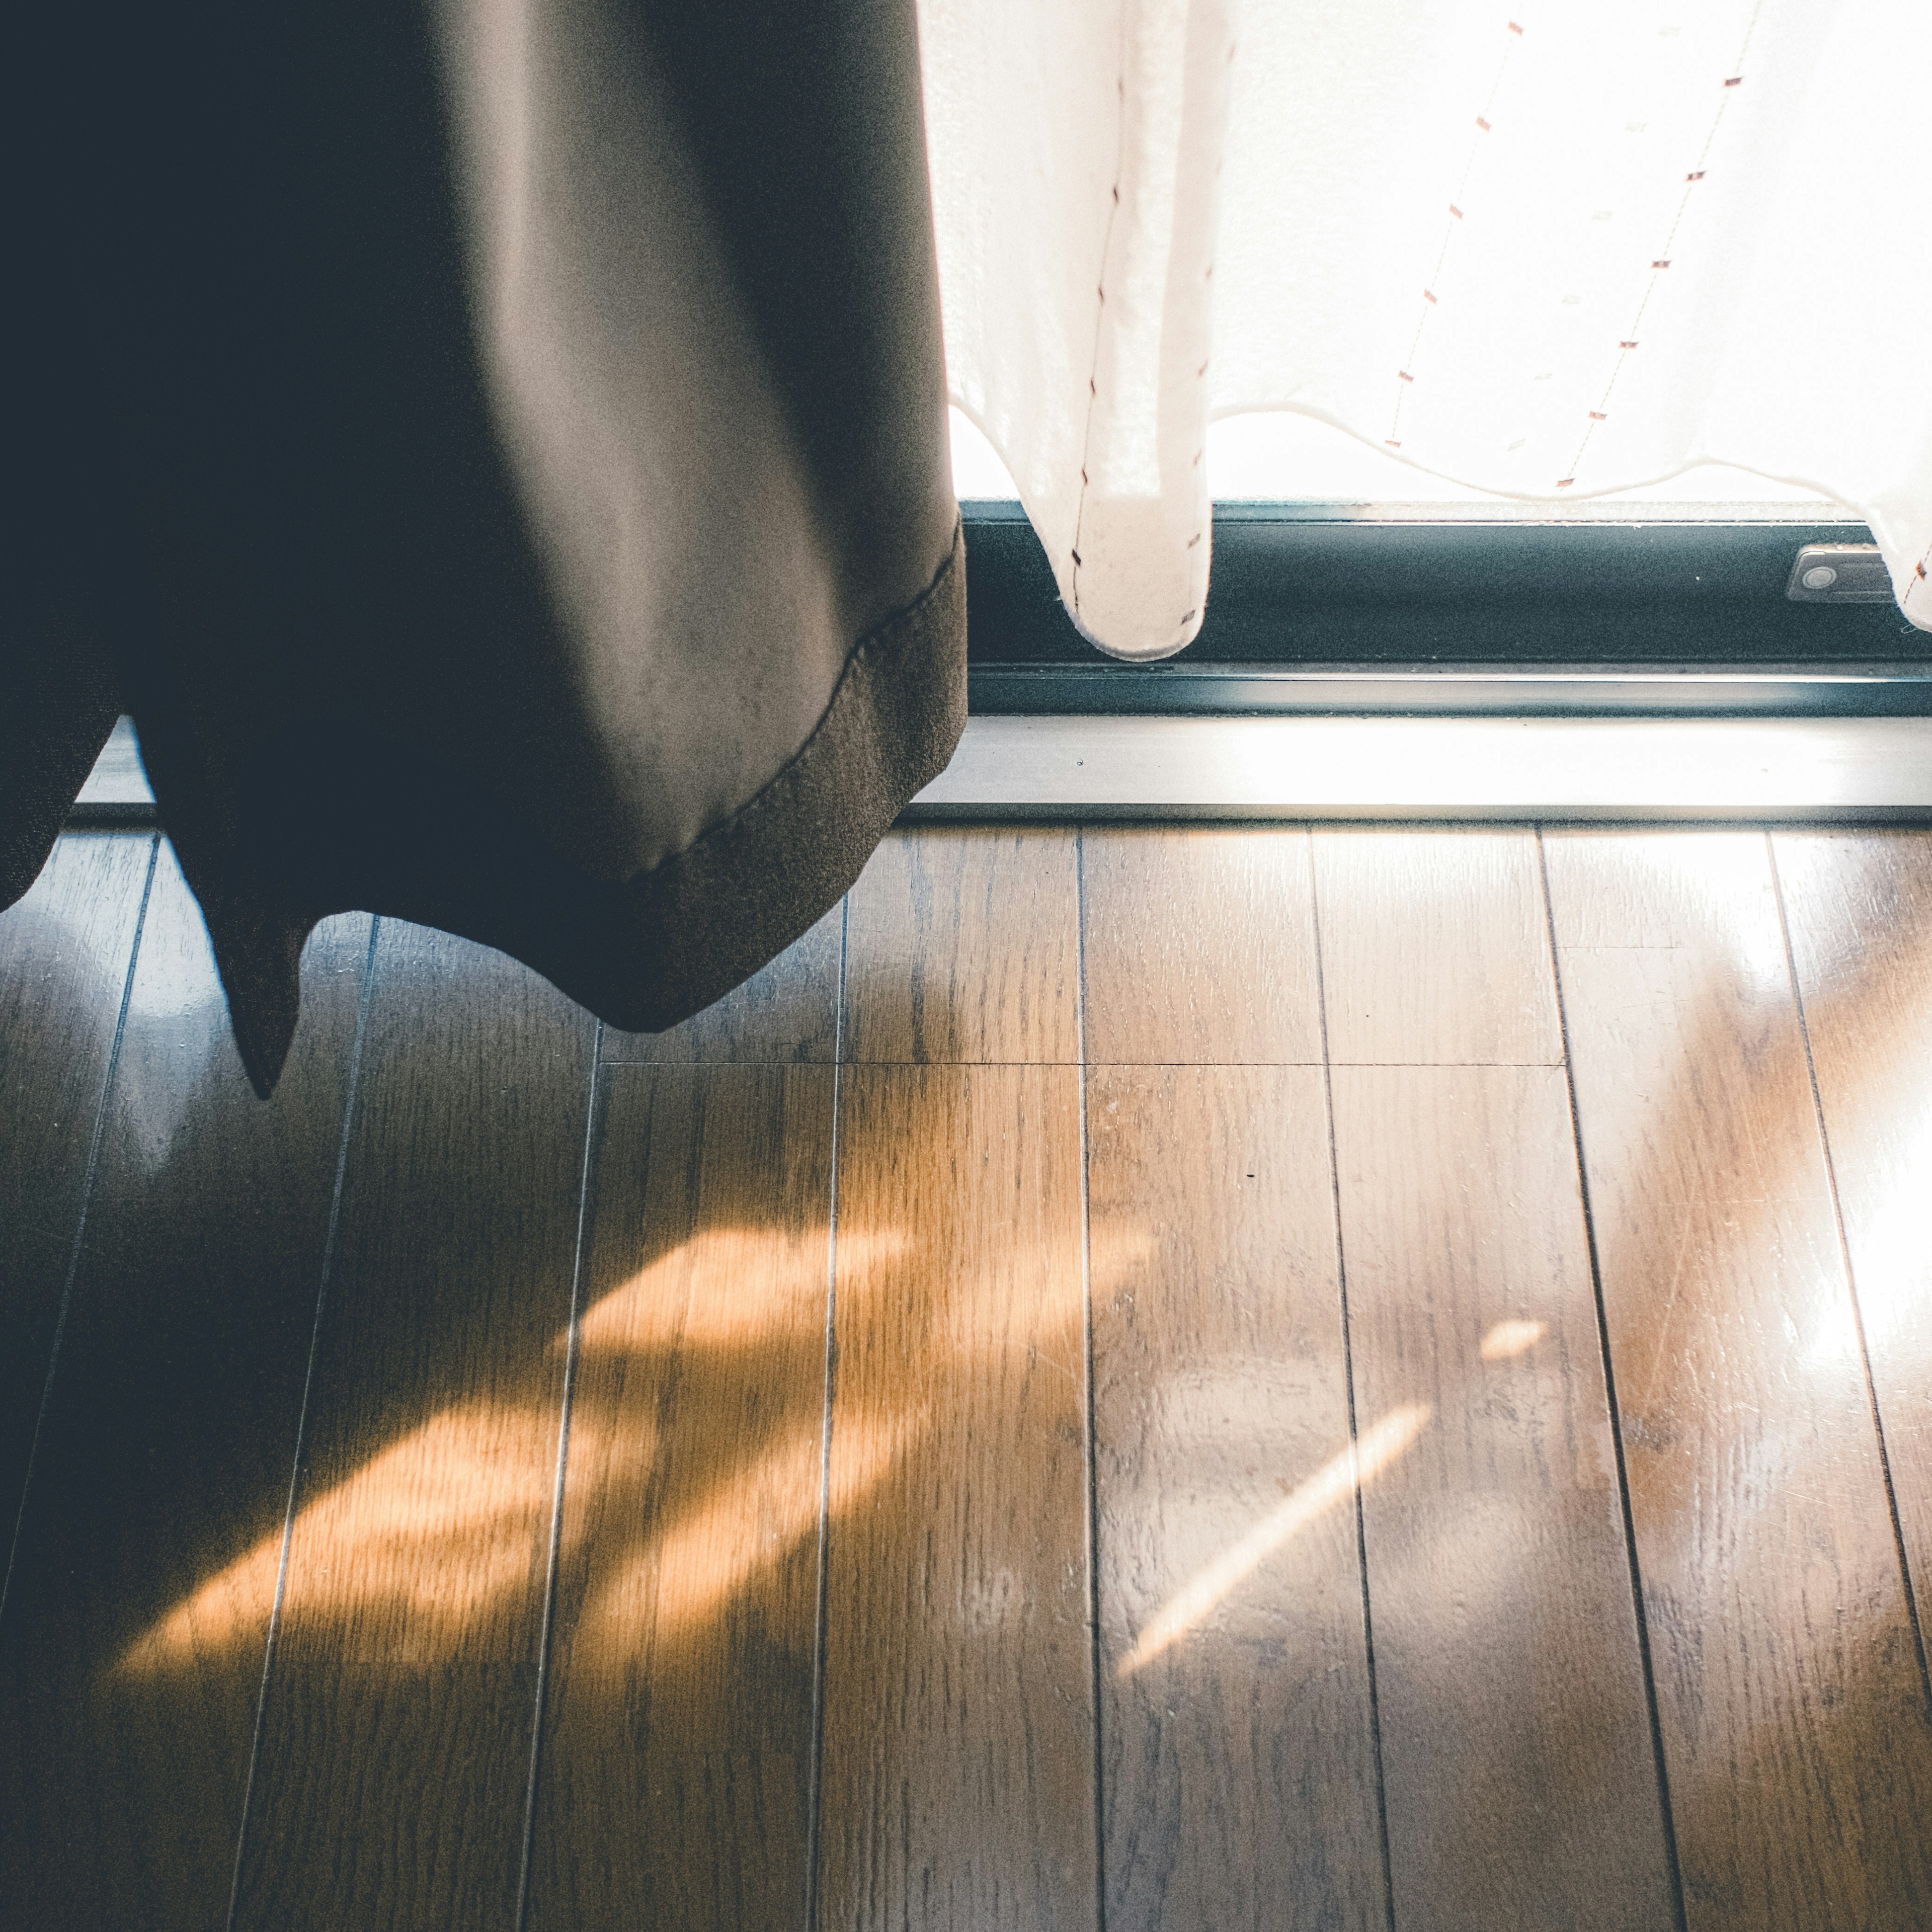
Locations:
(1100, 304)
(1406, 375)
(1660, 263)
(1099, 308)
(1922, 575)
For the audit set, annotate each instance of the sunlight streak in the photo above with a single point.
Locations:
(419, 1544)
(1888, 1226)
(1334, 1483)
(715, 1290)
(422, 1546)
(679, 1581)
(1512, 1338)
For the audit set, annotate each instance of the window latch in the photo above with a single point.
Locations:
(1839, 574)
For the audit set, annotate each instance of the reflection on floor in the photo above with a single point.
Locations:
(1202, 1378)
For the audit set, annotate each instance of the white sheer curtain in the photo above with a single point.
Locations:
(1552, 248)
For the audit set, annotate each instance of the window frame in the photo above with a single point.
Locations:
(1448, 609)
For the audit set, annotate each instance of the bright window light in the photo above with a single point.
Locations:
(977, 471)
(1279, 457)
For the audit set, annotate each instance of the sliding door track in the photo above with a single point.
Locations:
(1198, 689)
(1591, 662)
(1825, 770)
(1853, 769)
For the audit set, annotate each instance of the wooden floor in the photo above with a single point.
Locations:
(1202, 1379)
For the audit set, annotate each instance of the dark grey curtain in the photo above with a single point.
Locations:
(497, 451)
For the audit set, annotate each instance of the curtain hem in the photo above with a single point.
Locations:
(407, 837)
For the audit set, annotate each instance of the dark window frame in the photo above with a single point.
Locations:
(1445, 609)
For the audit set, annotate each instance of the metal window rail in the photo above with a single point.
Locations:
(1592, 661)
(1376, 662)
(1460, 609)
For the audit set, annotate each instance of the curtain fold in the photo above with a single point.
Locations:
(1546, 249)
(497, 450)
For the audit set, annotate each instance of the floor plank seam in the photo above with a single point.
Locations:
(1851, 1281)
(1349, 1379)
(1744, 1753)
(362, 1005)
(815, 1744)
(1666, 1811)
(1154, 1065)
(546, 1622)
(705, 1065)
(961, 1063)
(1086, 1326)
(79, 1228)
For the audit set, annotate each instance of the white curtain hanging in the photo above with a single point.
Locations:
(1552, 248)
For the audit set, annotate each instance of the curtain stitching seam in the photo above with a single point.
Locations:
(1099, 311)
(884, 637)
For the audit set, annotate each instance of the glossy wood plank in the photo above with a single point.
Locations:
(1859, 906)
(1199, 945)
(677, 1734)
(787, 1012)
(65, 950)
(1238, 1763)
(1793, 1718)
(392, 1781)
(1433, 949)
(962, 947)
(118, 781)
(958, 1769)
(132, 1660)
(1521, 1784)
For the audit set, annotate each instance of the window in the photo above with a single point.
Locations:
(1346, 579)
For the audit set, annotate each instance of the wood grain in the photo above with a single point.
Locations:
(957, 1782)
(1859, 905)
(118, 780)
(65, 950)
(962, 947)
(1238, 1764)
(1199, 945)
(1794, 1725)
(677, 1739)
(391, 1785)
(1522, 1788)
(789, 1011)
(957, 1779)
(133, 1661)
(1433, 949)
